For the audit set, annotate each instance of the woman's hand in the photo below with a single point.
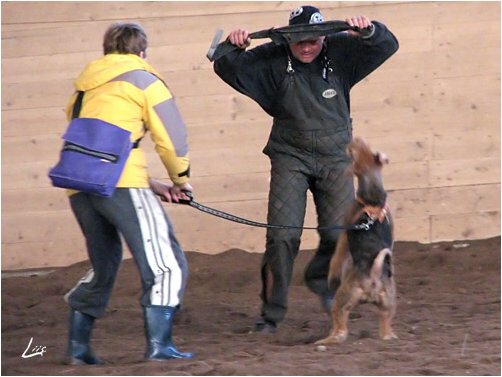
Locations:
(170, 193)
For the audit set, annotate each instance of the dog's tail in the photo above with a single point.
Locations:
(382, 259)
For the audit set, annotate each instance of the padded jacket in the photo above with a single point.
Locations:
(322, 87)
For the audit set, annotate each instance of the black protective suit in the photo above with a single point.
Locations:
(307, 145)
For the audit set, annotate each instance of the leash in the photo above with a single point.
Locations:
(227, 216)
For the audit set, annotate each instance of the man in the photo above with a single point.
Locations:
(305, 87)
(123, 89)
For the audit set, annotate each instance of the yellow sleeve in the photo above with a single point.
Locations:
(168, 131)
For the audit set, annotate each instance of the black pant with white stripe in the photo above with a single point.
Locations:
(137, 215)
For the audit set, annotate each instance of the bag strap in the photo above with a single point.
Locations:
(78, 105)
(76, 112)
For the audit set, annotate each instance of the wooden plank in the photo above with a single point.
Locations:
(406, 175)
(56, 225)
(247, 159)
(162, 31)
(452, 36)
(431, 64)
(32, 95)
(394, 121)
(43, 254)
(220, 108)
(211, 109)
(467, 119)
(446, 94)
(28, 200)
(394, 95)
(26, 149)
(38, 226)
(457, 63)
(412, 38)
(464, 172)
(404, 148)
(229, 134)
(465, 226)
(178, 28)
(452, 94)
(210, 190)
(441, 203)
(213, 190)
(195, 109)
(444, 200)
(240, 198)
(215, 234)
(25, 175)
(33, 122)
(449, 144)
(462, 12)
(183, 64)
(448, 227)
(192, 69)
(84, 11)
(415, 229)
(50, 68)
(401, 67)
(211, 162)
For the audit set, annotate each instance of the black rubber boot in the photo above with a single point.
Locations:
(265, 327)
(79, 350)
(158, 330)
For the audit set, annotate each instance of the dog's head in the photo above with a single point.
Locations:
(367, 167)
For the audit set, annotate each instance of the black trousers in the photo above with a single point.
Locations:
(292, 175)
(137, 215)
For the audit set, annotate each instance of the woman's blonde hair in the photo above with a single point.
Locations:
(124, 38)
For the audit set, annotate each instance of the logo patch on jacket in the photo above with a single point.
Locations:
(329, 93)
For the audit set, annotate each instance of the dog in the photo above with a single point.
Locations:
(361, 269)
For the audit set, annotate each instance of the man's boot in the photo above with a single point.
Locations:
(79, 350)
(264, 326)
(158, 330)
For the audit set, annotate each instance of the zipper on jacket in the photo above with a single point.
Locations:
(90, 152)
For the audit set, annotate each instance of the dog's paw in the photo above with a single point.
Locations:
(389, 336)
(338, 337)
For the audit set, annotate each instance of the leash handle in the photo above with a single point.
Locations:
(186, 201)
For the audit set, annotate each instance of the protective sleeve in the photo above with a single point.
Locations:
(252, 73)
(358, 57)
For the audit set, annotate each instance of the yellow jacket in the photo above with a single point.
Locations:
(123, 89)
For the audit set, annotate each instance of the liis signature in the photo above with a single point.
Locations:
(35, 351)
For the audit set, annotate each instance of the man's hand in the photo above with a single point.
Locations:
(361, 22)
(240, 38)
(170, 193)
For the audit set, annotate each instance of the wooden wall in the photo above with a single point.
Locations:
(434, 108)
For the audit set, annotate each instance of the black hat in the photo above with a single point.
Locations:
(306, 14)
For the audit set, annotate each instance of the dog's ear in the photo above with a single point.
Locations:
(381, 158)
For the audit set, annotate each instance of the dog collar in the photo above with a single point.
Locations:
(373, 212)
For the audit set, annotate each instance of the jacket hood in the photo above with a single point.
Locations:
(102, 70)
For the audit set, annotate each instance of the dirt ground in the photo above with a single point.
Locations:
(448, 320)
